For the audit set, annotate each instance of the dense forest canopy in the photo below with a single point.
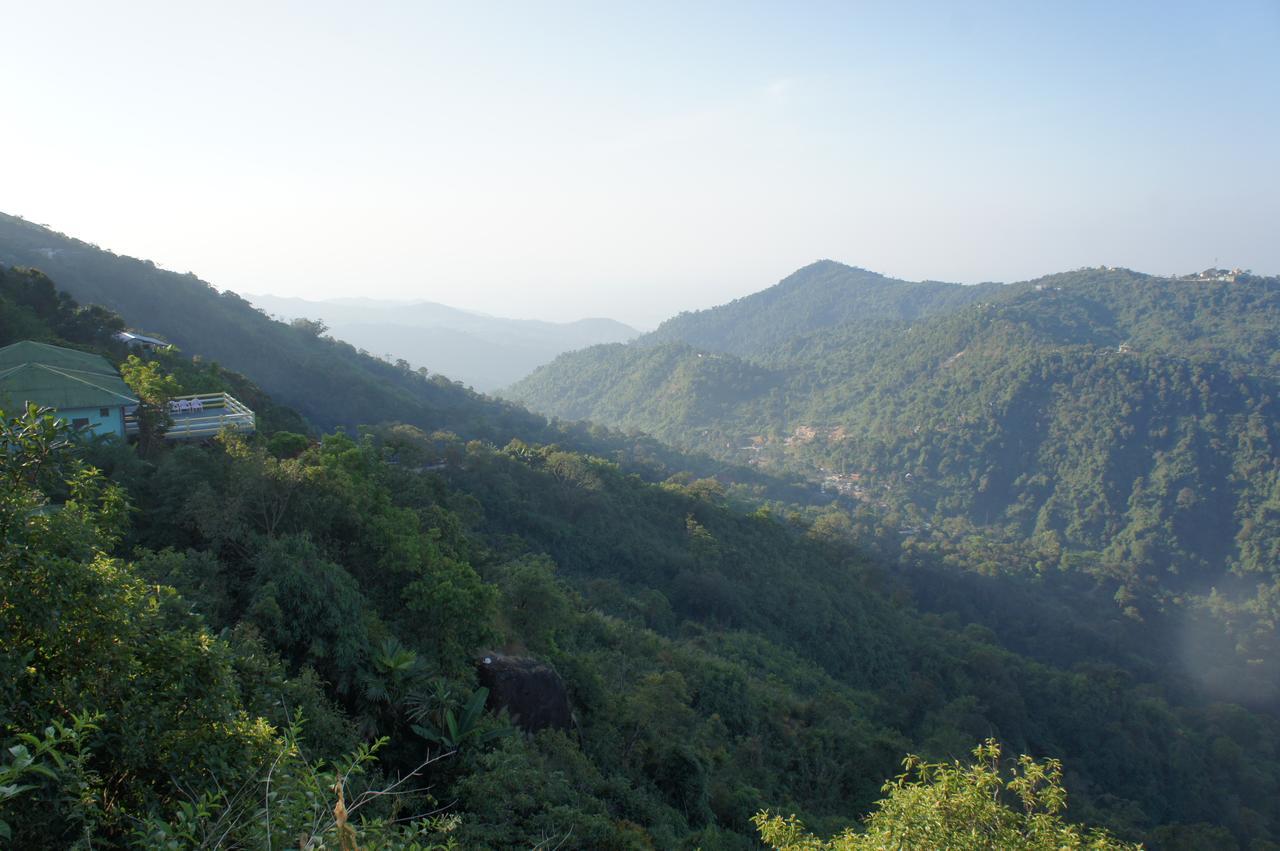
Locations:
(1101, 422)
(255, 639)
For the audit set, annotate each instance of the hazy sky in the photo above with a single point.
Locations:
(636, 159)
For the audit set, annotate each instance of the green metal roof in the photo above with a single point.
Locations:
(58, 378)
(61, 388)
(29, 351)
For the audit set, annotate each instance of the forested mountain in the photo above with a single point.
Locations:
(293, 617)
(485, 352)
(1105, 422)
(275, 642)
(825, 294)
(328, 382)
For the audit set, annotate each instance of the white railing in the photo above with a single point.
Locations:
(201, 415)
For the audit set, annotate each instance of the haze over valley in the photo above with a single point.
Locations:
(485, 352)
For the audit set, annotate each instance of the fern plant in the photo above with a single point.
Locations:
(452, 730)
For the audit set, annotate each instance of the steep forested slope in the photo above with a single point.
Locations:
(328, 382)
(1116, 424)
(274, 604)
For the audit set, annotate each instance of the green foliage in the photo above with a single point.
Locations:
(309, 609)
(57, 756)
(962, 807)
(294, 380)
(35, 445)
(454, 608)
(81, 636)
(32, 308)
(327, 381)
(719, 656)
(287, 444)
(821, 295)
(806, 611)
(546, 790)
(303, 803)
(1008, 434)
(153, 385)
(453, 730)
(534, 604)
(154, 388)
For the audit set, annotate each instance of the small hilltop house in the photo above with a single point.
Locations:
(84, 389)
(134, 340)
(87, 392)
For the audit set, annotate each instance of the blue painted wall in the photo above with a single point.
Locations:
(112, 423)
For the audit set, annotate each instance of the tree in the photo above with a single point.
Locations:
(959, 807)
(287, 444)
(533, 603)
(154, 388)
(454, 608)
(84, 640)
(34, 446)
(311, 327)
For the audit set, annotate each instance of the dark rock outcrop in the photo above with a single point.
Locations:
(530, 690)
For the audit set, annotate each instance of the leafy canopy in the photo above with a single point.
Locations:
(959, 807)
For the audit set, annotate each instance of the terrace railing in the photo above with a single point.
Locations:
(200, 416)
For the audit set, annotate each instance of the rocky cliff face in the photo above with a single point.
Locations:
(530, 690)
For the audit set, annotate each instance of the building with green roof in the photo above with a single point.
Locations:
(84, 389)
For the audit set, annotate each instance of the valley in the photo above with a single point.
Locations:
(640, 427)
(899, 615)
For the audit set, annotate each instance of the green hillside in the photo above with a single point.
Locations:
(245, 628)
(1110, 423)
(329, 383)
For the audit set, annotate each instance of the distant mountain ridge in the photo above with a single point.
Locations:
(485, 352)
(420, 312)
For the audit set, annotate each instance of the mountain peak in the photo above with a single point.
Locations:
(826, 267)
(819, 295)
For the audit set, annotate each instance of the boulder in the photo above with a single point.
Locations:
(530, 690)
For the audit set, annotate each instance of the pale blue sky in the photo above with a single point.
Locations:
(633, 160)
